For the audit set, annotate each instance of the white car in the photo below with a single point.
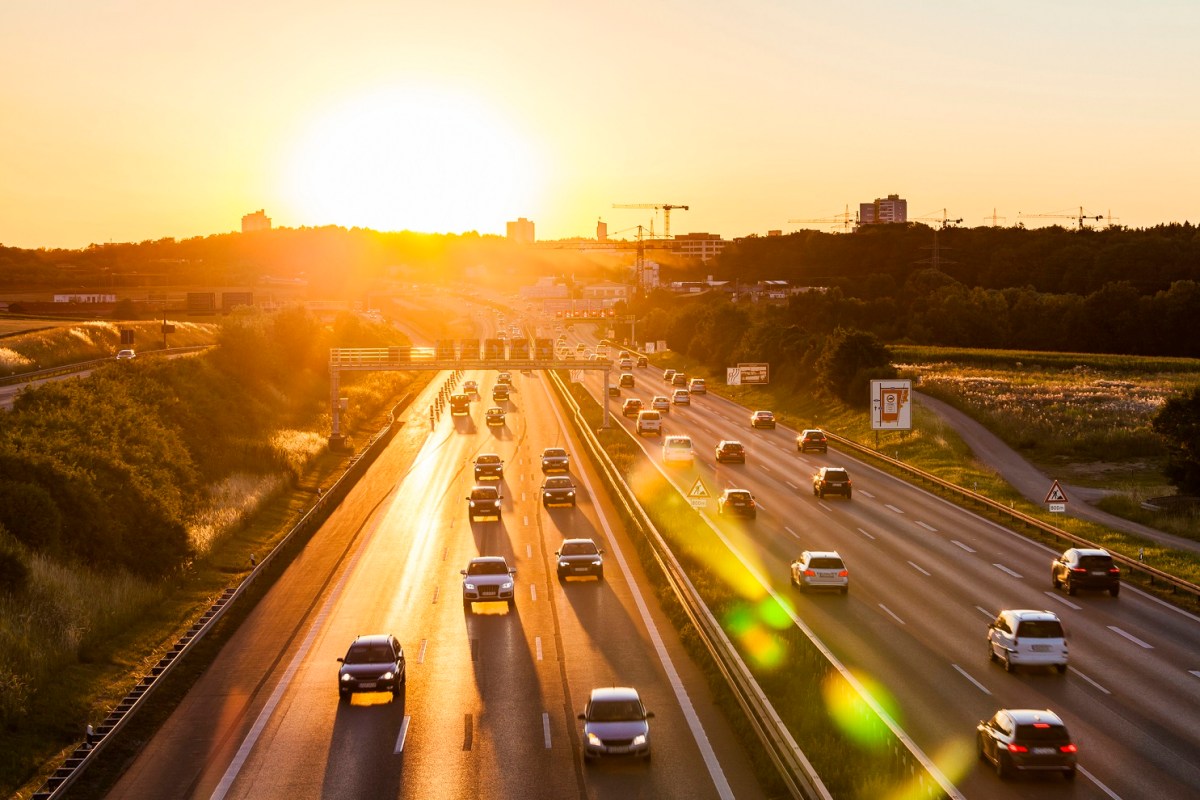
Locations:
(486, 579)
(681, 397)
(678, 450)
(649, 422)
(661, 403)
(820, 569)
(1023, 636)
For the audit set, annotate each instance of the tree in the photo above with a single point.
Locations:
(850, 361)
(1178, 421)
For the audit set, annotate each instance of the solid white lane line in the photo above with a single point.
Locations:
(918, 569)
(792, 486)
(792, 532)
(963, 546)
(978, 685)
(546, 727)
(537, 643)
(891, 613)
(1099, 785)
(892, 507)
(864, 533)
(403, 735)
(1089, 680)
(1063, 600)
(1130, 637)
(533, 591)
(1005, 569)
(421, 651)
(927, 526)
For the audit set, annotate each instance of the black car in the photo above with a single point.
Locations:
(500, 392)
(1026, 740)
(373, 663)
(488, 467)
(831, 480)
(762, 419)
(737, 502)
(557, 491)
(642, 361)
(580, 557)
(555, 459)
(1086, 568)
(812, 439)
(484, 502)
(732, 451)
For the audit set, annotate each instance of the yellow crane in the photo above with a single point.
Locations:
(1079, 218)
(994, 218)
(666, 209)
(944, 219)
(842, 219)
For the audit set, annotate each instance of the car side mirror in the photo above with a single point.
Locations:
(649, 715)
(512, 570)
(462, 572)
(600, 550)
(582, 717)
(341, 660)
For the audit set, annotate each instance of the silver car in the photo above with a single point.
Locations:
(487, 579)
(615, 723)
(820, 569)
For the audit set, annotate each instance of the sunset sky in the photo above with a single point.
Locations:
(130, 120)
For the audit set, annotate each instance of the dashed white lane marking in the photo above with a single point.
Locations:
(537, 644)
(1063, 600)
(526, 518)
(865, 493)
(436, 591)
(985, 612)
(792, 486)
(1005, 569)
(978, 685)
(891, 613)
(403, 735)
(792, 532)
(533, 591)
(864, 533)
(927, 526)
(1089, 680)
(963, 546)
(764, 467)
(892, 507)
(918, 569)
(522, 497)
(1195, 672)
(546, 727)
(529, 551)
(1099, 785)
(421, 651)
(1131, 637)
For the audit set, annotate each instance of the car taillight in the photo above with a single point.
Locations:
(808, 573)
(1078, 569)
(843, 574)
(1068, 748)
(1114, 571)
(1013, 747)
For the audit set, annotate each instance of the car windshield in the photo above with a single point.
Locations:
(825, 562)
(1042, 732)
(484, 493)
(559, 483)
(487, 568)
(1040, 629)
(579, 549)
(553, 452)
(836, 475)
(738, 497)
(369, 654)
(615, 711)
(488, 460)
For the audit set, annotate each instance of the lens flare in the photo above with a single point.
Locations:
(851, 712)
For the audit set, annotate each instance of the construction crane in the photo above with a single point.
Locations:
(1079, 218)
(666, 209)
(944, 219)
(994, 218)
(842, 219)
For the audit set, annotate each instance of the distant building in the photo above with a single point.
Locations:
(258, 221)
(85, 297)
(650, 273)
(883, 211)
(521, 231)
(699, 245)
(605, 290)
(601, 231)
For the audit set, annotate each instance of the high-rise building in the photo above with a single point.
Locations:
(601, 231)
(521, 231)
(699, 245)
(258, 221)
(883, 211)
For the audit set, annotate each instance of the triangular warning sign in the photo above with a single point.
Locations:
(1056, 494)
(698, 490)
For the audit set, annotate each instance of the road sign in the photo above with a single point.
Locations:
(1055, 495)
(699, 490)
(890, 405)
(1058, 508)
(733, 376)
(755, 373)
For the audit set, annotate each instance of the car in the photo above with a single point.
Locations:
(678, 450)
(580, 557)
(614, 390)
(1023, 636)
(631, 407)
(488, 467)
(470, 387)
(668, 374)
(615, 723)
(625, 364)
(679, 379)
(484, 503)
(1026, 740)
(580, 347)
(642, 361)
(812, 439)
(737, 502)
(374, 663)
(494, 416)
(126, 355)
(504, 379)
(832, 480)
(762, 419)
(1086, 568)
(730, 450)
(697, 386)
(681, 397)
(487, 578)
(661, 403)
(499, 392)
(820, 569)
(649, 421)
(460, 405)
(558, 491)
(555, 459)
(626, 380)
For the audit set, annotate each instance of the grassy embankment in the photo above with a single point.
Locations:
(28, 345)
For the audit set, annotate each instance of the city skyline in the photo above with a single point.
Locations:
(134, 122)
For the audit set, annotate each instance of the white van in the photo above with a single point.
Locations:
(649, 422)
(678, 450)
(1026, 637)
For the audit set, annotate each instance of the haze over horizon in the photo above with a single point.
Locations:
(138, 121)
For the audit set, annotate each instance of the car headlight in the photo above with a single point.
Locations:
(470, 587)
(639, 740)
(472, 504)
(564, 563)
(594, 740)
(571, 493)
(346, 677)
(546, 495)
(597, 563)
(506, 585)
(387, 676)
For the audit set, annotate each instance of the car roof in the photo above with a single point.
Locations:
(372, 638)
(1028, 716)
(730, 492)
(487, 457)
(559, 479)
(554, 451)
(1030, 613)
(760, 413)
(807, 431)
(820, 554)
(615, 693)
(488, 560)
(579, 541)
(728, 441)
(1091, 551)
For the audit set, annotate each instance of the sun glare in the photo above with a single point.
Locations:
(409, 159)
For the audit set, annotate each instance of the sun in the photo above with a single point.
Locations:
(428, 160)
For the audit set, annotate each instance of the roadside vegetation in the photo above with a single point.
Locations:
(59, 344)
(128, 499)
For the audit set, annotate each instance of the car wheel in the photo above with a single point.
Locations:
(1071, 589)
(600, 575)
(802, 586)
(511, 602)
(1009, 666)
(1114, 591)
(1069, 774)
(821, 494)
(1054, 581)
(991, 652)
(1003, 770)
(847, 494)
(343, 696)
(1062, 668)
(814, 491)
(979, 747)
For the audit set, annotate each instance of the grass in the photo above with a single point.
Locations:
(59, 345)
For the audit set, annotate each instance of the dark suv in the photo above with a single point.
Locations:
(831, 480)
(372, 664)
(1086, 568)
(812, 440)
(737, 502)
(1026, 739)
(730, 450)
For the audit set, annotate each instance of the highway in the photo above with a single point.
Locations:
(926, 579)
(491, 698)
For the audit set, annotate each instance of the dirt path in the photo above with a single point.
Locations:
(1033, 484)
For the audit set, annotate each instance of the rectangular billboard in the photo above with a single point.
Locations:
(754, 373)
(891, 405)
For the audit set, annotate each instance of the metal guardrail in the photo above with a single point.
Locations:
(95, 363)
(795, 770)
(1154, 575)
(86, 753)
